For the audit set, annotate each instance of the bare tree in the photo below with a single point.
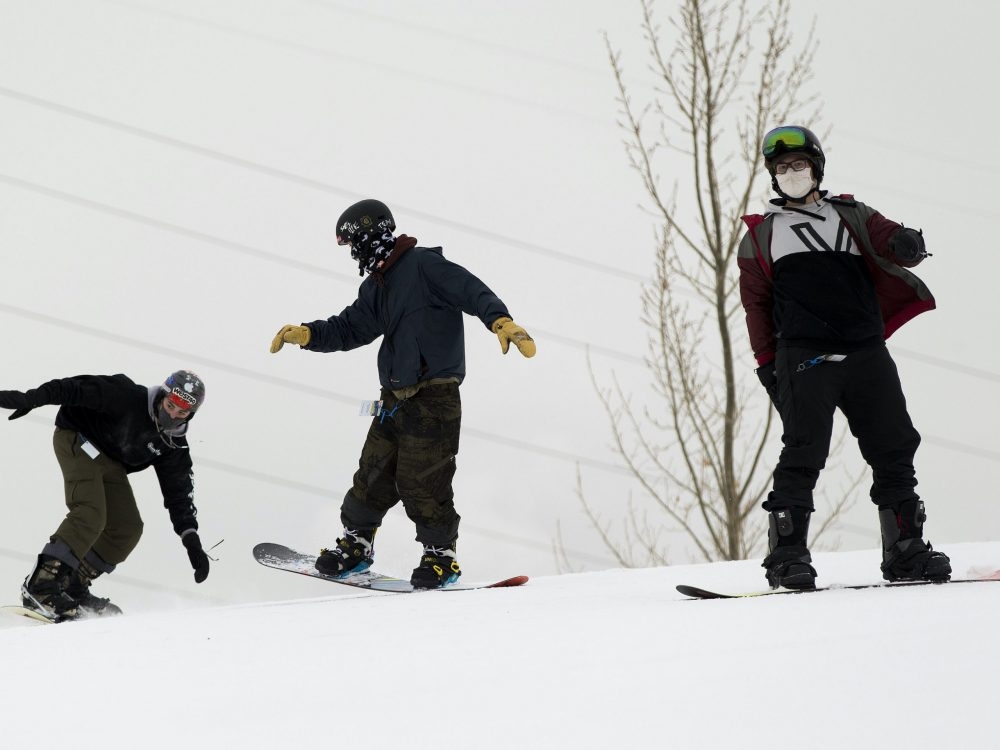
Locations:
(730, 75)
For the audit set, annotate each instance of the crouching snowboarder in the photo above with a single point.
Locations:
(108, 427)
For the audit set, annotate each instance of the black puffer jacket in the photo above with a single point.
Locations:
(116, 415)
(417, 306)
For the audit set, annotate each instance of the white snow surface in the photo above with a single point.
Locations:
(165, 150)
(612, 659)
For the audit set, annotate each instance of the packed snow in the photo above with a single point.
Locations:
(593, 660)
(199, 151)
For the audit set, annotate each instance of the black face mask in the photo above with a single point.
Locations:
(167, 422)
(369, 247)
(164, 421)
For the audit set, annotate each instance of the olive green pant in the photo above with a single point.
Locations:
(103, 516)
(409, 456)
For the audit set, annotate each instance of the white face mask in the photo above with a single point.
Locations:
(796, 184)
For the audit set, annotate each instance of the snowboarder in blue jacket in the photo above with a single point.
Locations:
(414, 299)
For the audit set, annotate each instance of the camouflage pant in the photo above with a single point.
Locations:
(410, 457)
(103, 516)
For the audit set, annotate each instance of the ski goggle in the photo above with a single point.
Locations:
(182, 400)
(783, 139)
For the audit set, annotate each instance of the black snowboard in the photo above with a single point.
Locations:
(698, 593)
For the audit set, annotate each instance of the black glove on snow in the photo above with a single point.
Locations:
(768, 378)
(907, 245)
(15, 400)
(197, 556)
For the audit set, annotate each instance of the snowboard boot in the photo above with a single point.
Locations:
(78, 589)
(788, 560)
(438, 567)
(905, 554)
(44, 590)
(353, 554)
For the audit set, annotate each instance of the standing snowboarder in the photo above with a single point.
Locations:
(414, 299)
(108, 427)
(823, 281)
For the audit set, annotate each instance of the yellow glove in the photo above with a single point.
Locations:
(290, 335)
(507, 330)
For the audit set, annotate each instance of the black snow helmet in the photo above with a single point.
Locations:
(184, 389)
(793, 139)
(361, 217)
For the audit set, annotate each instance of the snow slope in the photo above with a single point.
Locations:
(592, 660)
(147, 140)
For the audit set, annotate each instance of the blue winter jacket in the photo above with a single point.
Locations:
(416, 306)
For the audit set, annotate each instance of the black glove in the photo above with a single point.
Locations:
(907, 245)
(768, 378)
(197, 556)
(15, 400)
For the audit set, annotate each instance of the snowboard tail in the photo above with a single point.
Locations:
(32, 614)
(281, 557)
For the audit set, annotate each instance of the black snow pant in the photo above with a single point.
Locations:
(409, 456)
(865, 387)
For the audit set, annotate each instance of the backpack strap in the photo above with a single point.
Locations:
(844, 199)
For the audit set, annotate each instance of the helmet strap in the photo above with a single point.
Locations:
(798, 201)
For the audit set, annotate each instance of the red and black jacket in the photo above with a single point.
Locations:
(900, 294)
